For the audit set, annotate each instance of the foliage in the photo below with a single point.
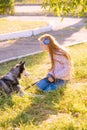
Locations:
(6, 6)
(66, 7)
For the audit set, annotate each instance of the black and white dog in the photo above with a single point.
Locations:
(9, 83)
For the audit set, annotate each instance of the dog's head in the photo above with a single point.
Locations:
(19, 69)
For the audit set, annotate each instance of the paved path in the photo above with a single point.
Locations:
(29, 10)
(69, 31)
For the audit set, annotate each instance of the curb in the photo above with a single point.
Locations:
(26, 33)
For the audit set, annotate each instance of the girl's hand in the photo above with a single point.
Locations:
(50, 79)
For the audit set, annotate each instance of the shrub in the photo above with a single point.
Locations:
(6, 6)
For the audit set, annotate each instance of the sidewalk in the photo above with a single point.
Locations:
(28, 9)
(69, 31)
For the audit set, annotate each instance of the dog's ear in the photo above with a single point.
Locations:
(23, 63)
(20, 62)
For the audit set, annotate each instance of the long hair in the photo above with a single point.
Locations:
(55, 48)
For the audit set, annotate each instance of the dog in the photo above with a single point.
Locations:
(9, 83)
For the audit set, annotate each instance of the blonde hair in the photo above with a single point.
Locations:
(54, 48)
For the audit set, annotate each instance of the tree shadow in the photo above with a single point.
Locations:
(5, 101)
(18, 48)
(29, 45)
(64, 35)
(40, 109)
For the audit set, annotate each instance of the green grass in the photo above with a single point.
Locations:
(63, 109)
(86, 23)
(9, 25)
(28, 2)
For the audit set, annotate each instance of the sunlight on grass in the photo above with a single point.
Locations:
(86, 23)
(8, 26)
(62, 109)
(79, 56)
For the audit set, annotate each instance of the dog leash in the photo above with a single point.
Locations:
(31, 85)
(21, 94)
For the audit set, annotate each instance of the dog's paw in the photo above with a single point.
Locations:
(21, 94)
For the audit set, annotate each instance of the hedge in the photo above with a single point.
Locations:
(6, 6)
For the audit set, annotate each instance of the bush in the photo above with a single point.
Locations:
(6, 6)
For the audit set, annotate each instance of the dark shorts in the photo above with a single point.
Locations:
(46, 86)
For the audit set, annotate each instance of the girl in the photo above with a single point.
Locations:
(60, 72)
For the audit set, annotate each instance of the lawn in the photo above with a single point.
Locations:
(86, 23)
(8, 25)
(63, 109)
(28, 1)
